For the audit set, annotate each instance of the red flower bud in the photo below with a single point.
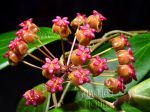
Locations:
(125, 57)
(114, 85)
(95, 21)
(126, 71)
(78, 21)
(120, 42)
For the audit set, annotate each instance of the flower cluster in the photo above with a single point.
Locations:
(18, 47)
(80, 64)
(125, 68)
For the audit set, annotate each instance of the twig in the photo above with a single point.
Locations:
(29, 64)
(63, 94)
(68, 61)
(36, 58)
(102, 52)
(54, 99)
(44, 47)
(41, 51)
(68, 84)
(112, 60)
(63, 51)
(97, 83)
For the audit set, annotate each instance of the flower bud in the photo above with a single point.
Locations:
(118, 43)
(114, 85)
(55, 84)
(79, 77)
(78, 21)
(80, 55)
(126, 71)
(95, 21)
(34, 97)
(60, 26)
(26, 35)
(29, 25)
(125, 57)
(18, 46)
(12, 57)
(85, 34)
(97, 65)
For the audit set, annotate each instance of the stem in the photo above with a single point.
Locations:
(102, 52)
(36, 58)
(121, 100)
(95, 97)
(63, 94)
(63, 51)
(97, 83)
(68, 84)
(42, 51)
(44, 47)
(112, 60)
(106, 75)
(68, 61)
(29, 64)
(51, 107)
(54, 99)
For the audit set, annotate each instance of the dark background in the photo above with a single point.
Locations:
(121, 14)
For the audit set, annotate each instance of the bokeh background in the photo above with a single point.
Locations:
(121, 14)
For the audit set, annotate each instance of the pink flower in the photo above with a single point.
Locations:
(51, 66)
(79, 20)
(26, 23)
(98, 65)
(54, 84)
(80, 55)
(61, 21)
(121, 85)
(33, 97)
(13, 43)
(101, 17)
(60, 26)
(80, 76)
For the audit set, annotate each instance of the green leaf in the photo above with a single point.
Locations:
(140, 46)
(40, 108)
(128, 108)
(140, 95)
(46, 36)
(84, 106)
